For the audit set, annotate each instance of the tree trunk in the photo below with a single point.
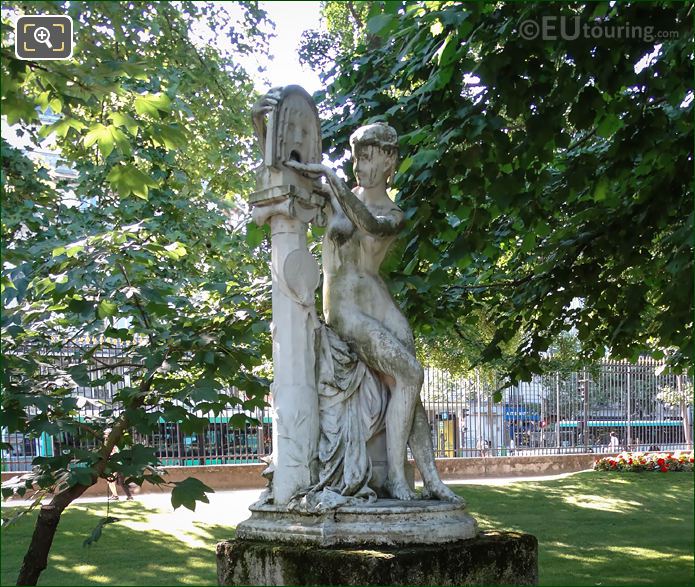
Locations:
(36, 558)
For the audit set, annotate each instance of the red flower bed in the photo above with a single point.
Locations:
(647, 461)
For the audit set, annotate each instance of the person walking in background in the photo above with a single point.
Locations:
(613, 443)
(484, 447)
(116, 479)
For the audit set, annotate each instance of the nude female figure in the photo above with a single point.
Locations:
(359, 308)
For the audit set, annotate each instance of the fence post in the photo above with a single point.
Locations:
(629, 409)
(557, 411)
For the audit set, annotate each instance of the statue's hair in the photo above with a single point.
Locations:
(379, 134)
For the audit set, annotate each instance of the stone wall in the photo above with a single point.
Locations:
(249, 476)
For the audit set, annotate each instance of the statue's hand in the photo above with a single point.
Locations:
(266, 104)
(322, 189)
(311, 170)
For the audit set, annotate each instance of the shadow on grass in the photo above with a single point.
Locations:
(592, 528)
(599, 528)
(146, 547)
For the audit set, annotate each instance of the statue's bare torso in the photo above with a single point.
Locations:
(353, 289)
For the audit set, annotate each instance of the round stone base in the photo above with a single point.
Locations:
(491, 558)
(387, 522)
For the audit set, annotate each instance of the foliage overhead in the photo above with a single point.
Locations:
(547, 183)
(141, 251)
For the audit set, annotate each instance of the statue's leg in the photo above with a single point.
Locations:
(420, 443)
(382, 351)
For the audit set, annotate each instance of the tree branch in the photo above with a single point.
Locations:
(512, 283)
(355, 16)
(585, 138)
(138, 302)
(35, 65)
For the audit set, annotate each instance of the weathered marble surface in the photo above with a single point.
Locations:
(384, 522)
(285, 200)
(492, 558)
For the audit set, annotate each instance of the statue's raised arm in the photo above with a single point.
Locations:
(265, 105)
(375, 151)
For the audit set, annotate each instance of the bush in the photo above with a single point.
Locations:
(636, 462)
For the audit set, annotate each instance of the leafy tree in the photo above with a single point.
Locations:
(343, 23)
(535, 172)
(145, 245)
(456, 349)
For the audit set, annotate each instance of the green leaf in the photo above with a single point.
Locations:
(128, 179)
(601, 190)
(254, 234)
(125, 120)
(121, 141)
(18, 108)
(187, 492)
(405, 165)
(95, 534)
(73, 250)
(152, 104)
(170, 137)
(448, 50)
(80, 476)
(608, 126)
(106, 308)
(62, 127)
(378, 23)
(205, 389)
(84, 308)
(100, 134)
(7, 283)
(80, 375)
(238, 421)
(56, 105)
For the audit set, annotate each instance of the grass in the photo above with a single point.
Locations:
(599, 528)
(146, 547)
(592, 529)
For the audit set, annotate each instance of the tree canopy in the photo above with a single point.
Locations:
(547, 182)
(141, 250)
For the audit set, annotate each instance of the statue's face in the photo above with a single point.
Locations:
(372, 165)
(297, 131)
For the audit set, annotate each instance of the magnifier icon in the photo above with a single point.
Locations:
(41, 35)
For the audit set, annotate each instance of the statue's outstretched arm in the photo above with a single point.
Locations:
(265, 105)
(354, 209)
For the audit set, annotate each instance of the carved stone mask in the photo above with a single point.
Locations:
(296, 132)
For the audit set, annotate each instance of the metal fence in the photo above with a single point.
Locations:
(559, 412)
(553, 414)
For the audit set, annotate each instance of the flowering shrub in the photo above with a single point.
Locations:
(647, 461)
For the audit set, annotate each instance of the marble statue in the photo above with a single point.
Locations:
(346, 392)
(358, 308)
(368, 378)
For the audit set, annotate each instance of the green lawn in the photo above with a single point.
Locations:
(592, 528)
(599, 528)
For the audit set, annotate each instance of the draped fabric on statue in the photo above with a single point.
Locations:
(352, 408)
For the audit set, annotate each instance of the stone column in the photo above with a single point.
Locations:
(295, 277)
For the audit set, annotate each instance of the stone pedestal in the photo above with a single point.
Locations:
(387, 522)
(491, 558)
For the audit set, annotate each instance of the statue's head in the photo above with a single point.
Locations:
(374, 153)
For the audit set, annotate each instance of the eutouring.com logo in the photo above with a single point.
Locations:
(551, 28)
